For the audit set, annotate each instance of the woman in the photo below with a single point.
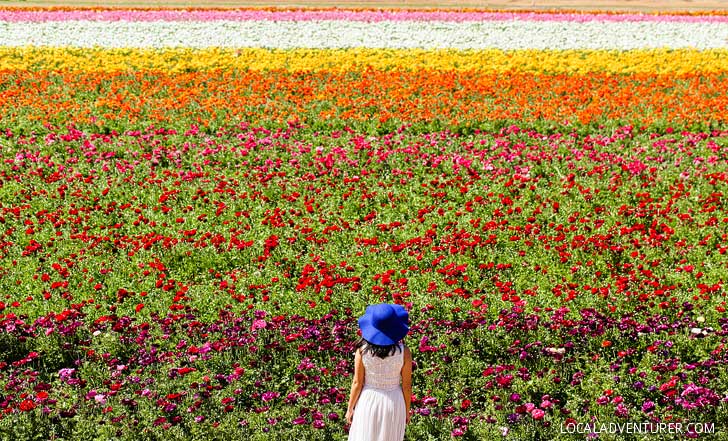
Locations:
(381, 391)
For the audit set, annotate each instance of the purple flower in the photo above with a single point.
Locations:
(298, 421)
(457, 432)
(318, 424)
(268, 396)
(648, 406)
(513, 418)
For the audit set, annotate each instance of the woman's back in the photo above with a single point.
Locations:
(383, 373)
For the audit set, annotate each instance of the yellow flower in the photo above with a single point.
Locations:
(659, 61)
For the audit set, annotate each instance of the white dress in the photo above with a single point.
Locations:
(380, 414)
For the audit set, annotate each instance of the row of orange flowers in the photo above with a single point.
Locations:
(370, 95)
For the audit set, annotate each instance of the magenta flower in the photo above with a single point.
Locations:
(621, 411)
(66, 373)
(697, 397)
(258, 324)
(430, 401)
(648, 406)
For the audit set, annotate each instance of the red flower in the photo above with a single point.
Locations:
(27, 405)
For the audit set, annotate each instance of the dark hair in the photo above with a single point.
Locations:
(377, 350)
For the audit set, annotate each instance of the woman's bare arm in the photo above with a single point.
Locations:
(356, 384)
(407, 380)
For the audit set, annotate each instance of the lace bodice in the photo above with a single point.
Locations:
(383, 373)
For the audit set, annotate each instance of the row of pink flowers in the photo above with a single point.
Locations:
(30, 15)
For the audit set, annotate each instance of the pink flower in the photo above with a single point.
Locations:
(537, 414)
(258, 324)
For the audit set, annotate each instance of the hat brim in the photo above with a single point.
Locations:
(387, 337)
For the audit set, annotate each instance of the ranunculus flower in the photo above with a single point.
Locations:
(648, 406)
(27, 405)
(621, 411)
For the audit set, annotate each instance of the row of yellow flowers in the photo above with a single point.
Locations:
(656, 61)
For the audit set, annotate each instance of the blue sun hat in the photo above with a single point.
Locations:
(384, 324)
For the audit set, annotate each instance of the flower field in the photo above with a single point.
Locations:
(196, 205)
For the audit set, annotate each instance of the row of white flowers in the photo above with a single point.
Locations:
(506, 34)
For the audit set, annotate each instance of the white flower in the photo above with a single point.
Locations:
(490, 34)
